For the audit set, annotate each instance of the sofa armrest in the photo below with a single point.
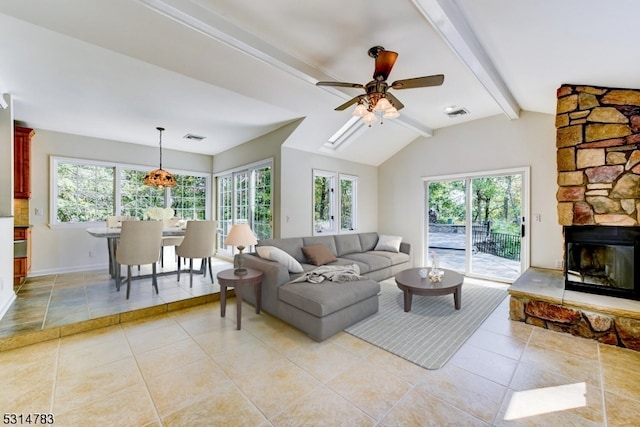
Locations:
(275, 274)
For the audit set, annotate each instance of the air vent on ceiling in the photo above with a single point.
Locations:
(457, 112)
(193, 137)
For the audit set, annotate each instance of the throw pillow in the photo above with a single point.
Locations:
(318, 254)
(280, 256)
(388, 243)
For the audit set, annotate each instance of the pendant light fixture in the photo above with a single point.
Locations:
(160, 177)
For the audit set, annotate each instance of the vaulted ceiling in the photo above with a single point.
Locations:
(233, 70)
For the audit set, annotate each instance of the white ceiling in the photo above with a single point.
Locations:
(232, 70)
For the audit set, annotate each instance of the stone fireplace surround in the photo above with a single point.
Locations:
(598, 162)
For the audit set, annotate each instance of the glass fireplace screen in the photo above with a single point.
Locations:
(606, 265)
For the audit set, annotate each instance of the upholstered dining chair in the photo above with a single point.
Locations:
(170, 241)
(116, 221)
(139, 245)
(199, 242)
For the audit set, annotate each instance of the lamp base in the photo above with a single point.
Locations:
(240, 271)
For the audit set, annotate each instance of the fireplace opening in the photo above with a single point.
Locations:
(602, 259)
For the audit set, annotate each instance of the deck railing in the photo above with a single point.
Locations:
(484, 240)
(498, 244)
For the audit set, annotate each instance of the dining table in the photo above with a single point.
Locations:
(112, 235)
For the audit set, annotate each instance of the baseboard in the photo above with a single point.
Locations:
(47, 272)
(7, 305)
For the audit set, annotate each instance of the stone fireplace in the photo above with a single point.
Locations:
(598, 163)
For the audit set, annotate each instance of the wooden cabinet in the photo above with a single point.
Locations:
(21, 159)
(21, 262)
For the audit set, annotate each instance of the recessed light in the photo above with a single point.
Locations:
(449, 108)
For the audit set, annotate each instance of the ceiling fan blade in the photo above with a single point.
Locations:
(341, 84)
(384, 64)
(435, 80)
(395, 101)
(349, 103)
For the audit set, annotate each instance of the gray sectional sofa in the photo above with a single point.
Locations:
(323, 309)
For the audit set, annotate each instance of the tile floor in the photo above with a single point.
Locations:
(192, 367)
(53, 301)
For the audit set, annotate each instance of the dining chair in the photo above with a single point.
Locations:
(174, 241)
(115, 221)
(170, 240)
(199, 242)
(139, 245)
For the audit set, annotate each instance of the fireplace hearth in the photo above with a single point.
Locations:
(602, 259)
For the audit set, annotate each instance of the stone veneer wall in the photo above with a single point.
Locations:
(606, 328)
(598, 142)
(598, 157)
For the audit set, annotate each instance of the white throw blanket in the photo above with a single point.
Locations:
(335, 273)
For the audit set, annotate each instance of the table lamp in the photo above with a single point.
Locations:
(240, 236)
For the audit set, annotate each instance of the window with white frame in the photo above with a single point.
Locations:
(348, 193)
(85, 191)
(244, 196)
(334, 211)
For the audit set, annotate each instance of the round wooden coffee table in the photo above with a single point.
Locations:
(410, 282)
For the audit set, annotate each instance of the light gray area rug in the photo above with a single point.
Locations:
(433, 330)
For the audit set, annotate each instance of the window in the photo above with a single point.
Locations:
(244, 196)
(86, 191)
(83, 192)
(348, 187)
(331, 210)
(136, 198)
(323, 202)
(189, 197)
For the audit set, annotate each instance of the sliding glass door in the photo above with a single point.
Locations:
(476, 224)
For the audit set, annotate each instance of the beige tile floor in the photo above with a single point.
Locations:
(192, 367)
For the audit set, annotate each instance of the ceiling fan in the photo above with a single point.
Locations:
(377, 98)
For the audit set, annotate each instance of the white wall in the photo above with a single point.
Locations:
(7, 296)
(64, 249)
(297, 191)
(488, 144)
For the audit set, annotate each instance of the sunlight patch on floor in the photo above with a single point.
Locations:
(545, 400)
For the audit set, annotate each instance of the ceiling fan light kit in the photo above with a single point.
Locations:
(377, 99)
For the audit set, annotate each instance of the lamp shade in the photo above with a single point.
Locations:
(160, 177)
(383, 104)
(240, 235)
(369, 118)
(360, 110)
(391, 113)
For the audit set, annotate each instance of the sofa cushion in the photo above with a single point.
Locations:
(394, 258)
(277, 254)
(388, 243)
(291, 245)
(375, 262)
(347, 244)
(368, 241)
(322, 299)
(318, 254)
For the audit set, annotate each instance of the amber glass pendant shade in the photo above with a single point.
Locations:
(160, 177)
